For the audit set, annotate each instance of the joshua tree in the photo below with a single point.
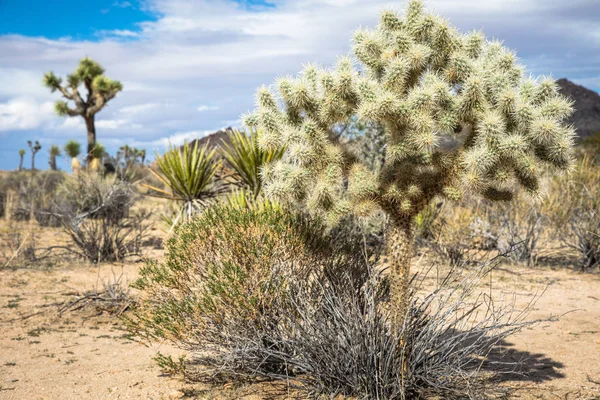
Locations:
(142, 154)
(73, 150)
(54, 152)
(423, 82)
(100, 90)
(21, 155)
(34, 149)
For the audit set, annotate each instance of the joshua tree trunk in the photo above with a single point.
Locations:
(33, 161)
(399, 252)
(21, 163)
(53, 163)
(91, 137)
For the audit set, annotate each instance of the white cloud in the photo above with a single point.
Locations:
(176, 139)
(116, 124)
(139, 108)
(24, 113)
(203, 108)
(202, 53)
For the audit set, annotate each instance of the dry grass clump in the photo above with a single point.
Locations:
(26, 195)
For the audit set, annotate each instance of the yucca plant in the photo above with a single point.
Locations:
(189, 174)
(247, 158)
(97, 153)
(73, 150)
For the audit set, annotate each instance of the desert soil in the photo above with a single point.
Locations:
(87, 353)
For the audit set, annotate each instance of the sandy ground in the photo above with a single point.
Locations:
(87, 354)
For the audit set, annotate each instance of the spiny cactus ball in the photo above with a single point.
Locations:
(424, 83)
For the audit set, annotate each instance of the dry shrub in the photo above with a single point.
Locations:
(574, 209)
(460, 232)
(521, 224)
(28, 194)
(95, 212)
(18, 247)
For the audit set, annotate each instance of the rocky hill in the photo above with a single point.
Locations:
(214, 139)
(587, 107)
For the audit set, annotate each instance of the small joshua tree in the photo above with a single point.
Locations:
(423, 82)
(53, 152)
(34, 148)
(100, 90)
(73, 150)
(21, 156)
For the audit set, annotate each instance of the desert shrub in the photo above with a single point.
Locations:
(458, 234)
(521, 225)
(222, 272)
(96, 214)
(268, 293)
(574, 209)
(32, 194)
(336, 337)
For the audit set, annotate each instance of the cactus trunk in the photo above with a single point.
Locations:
(399, 252)
(21, 163)
(91, 137)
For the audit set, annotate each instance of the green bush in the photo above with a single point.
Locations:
(222, 272)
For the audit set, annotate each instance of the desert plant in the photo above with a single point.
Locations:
(223, 271)
(265, 293)
(578, 224)
(53, 153)
(33, 148)
(247, 159)
(423, 82)
(189, 175)
(32, 195)
(97, 155)
(73, 150)
(21, 156)
(100, 90)
(522, 225)
(95, 212)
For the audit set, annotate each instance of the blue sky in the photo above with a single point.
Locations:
(191, 67)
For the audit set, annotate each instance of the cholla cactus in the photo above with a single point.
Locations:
(424, 82)
(100, 90)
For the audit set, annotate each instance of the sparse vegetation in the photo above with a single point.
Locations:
(376, 230)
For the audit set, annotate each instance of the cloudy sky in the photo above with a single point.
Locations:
(191, 67)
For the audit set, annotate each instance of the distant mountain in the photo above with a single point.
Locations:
(587, 108)
(214, 139)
